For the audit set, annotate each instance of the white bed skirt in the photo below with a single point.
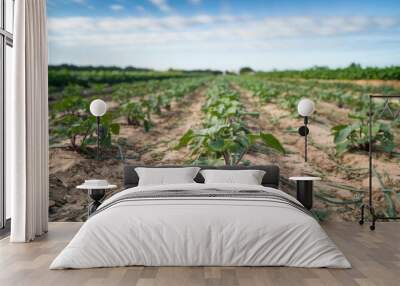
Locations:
(201, 232)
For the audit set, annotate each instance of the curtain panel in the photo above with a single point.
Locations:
(27, 124)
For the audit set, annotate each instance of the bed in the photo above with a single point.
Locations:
(198, 224)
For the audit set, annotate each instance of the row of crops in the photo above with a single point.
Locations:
(352, 72)
(354, 98)
(137, 103)
(348, 137)
(60, 77)
(140, 101)
(225, 135)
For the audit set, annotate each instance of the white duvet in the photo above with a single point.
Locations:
(199, 231)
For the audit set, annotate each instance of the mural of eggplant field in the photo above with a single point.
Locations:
(212, 117)
(218, 82)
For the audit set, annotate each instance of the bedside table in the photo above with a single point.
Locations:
(97, 194)
(305, 190)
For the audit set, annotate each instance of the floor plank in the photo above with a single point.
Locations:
(375, 257)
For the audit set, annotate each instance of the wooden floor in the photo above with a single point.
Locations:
(375, 257)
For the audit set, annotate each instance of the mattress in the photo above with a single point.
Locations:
(201, 225)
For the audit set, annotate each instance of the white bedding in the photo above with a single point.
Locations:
(200, 231)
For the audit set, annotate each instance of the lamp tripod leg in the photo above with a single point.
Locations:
(361, 221)
(372, 211)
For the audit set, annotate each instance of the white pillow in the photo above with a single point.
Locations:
(248, 177)
(166, 176)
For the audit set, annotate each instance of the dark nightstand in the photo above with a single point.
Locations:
(305, 190)
(97, 194)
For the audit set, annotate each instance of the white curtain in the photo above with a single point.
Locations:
(27, 124)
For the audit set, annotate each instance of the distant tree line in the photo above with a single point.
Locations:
(246, 70)
(198, 71)
(96, 68)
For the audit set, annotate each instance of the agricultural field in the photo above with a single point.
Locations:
(208, 117)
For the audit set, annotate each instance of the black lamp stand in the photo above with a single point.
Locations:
(304, 131)
(370, 205)
(98, 138)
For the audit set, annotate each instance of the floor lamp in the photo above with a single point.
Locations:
(98, 108)
(305, 108)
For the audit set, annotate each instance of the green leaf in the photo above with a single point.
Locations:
(272, 142)
(185, 139)
(244, 141)
(252, 137)
(250, 113)
(337, 128)
(385, 127)
(115, 128)
(357, 116)
(341, 148)
(390, 206)
(388, 146)
(374, 130)
(342, 135)
(217, 145)
(147, 125)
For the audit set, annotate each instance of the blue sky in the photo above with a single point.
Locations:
(224, 34)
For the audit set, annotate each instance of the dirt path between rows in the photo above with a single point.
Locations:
(69, 169)
(155, 146)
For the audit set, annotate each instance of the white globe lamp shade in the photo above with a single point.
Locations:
(305, 107)
(98, 107)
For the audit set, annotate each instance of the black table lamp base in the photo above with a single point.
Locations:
(96, 196)
(305, 193)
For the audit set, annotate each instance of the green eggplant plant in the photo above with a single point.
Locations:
(136, 114)
(229, 142)
(108, 128)
(225, 134)
(355, 136)
(71, 120)
(138, 102)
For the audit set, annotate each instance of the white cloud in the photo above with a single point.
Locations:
(161, 4)
(194, 2)
(140, 8)
(83, 3)
(212, 34)
(117, 7)
(233, 27)
(62, 25)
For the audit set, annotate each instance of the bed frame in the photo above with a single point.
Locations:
(270, 179)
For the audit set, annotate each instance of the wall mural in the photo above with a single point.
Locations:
(218, 82)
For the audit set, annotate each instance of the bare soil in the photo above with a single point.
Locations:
(363, 82)
(392, 83)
